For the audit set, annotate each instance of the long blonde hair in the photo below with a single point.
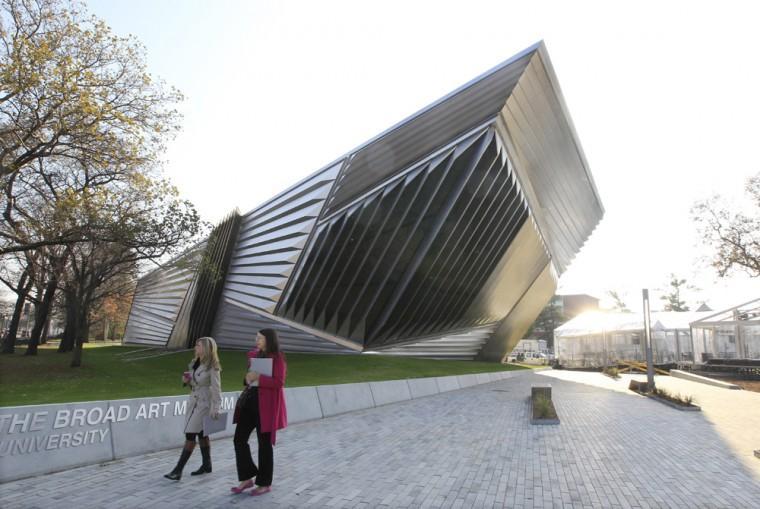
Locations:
(210, 357)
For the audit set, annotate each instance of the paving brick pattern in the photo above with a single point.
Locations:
(734, 414)
(462, 449)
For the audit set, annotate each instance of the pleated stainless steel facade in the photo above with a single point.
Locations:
(269, 246)
(270, 242)
(159, 296)
(542, 143)
(236, 327)
(406, 260)
(456, 346)
(444, 235)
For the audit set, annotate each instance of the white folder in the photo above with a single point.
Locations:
(214, 425)
(261, 365)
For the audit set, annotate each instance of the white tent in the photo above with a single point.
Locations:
(733, 333)
(598, 338)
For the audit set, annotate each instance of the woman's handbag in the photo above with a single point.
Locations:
(240, 404)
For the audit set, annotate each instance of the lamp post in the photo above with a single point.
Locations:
(648, 339)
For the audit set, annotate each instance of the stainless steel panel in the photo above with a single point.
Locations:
(270, 268)
(460, 346)
(319, 179)
(274, 282)
(245, 297)
(432, 127)
(158, 298)
(520, 317)
(300, 208)
(549, 161)
(515, 274)
(275, 230)
(236, 327)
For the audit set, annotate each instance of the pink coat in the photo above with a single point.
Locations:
(272, 411)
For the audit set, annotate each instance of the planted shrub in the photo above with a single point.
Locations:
(675, 398)
(542, 407)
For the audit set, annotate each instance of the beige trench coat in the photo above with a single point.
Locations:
(205, 398)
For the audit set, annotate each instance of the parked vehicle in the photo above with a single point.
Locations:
(528, 357)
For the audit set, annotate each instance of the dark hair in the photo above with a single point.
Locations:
(273, 342)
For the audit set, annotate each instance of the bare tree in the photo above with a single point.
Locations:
(50, 270)
(20, 282)
(617, 302)
(733, 234)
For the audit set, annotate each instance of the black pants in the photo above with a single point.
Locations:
(247, 421)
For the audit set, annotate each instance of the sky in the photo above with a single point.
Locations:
(663, 96)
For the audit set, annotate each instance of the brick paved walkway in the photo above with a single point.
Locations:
(735, 415)
(467, 448)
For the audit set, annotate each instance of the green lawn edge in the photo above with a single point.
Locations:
(107, 374)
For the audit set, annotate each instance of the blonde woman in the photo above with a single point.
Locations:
(205, 399)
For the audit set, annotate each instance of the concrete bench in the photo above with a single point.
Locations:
(544, 390)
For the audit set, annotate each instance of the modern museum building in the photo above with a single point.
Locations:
(443, 236)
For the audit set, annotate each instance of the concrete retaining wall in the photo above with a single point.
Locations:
(39, 439)
(702, 379)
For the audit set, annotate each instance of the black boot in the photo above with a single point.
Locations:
(176, 474)
(206, 454)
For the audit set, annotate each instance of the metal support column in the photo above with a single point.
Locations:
(648, 339)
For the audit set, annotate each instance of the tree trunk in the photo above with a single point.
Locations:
(82, 332)
(69, 331)
(41, 316)
(76, 359)
(24, 285)
(46, 329)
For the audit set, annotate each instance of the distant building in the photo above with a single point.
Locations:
(531, 346)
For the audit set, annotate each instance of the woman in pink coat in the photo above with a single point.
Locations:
(261, 407)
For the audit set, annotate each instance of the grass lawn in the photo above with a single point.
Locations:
(107, 374)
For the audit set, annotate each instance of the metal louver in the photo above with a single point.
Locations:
(158, 298)
(455, 346)
(406, 260)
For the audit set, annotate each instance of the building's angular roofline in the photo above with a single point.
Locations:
(495, 78)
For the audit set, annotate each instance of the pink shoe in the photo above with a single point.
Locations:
(240, 489)
(260, 490)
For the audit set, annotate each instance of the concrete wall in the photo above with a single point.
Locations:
(39, 439)
(703, 379)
